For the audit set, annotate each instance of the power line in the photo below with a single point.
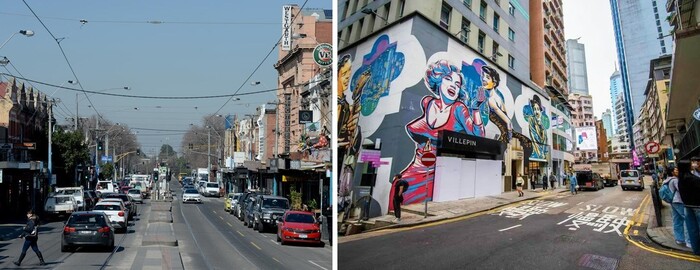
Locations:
(82, 90)
(84, 21)
(64, 57)
(264, 59)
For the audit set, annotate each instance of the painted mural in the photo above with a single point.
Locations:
(419, 78)
(538, 124)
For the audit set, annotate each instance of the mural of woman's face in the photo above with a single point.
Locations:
(450, 87)
(537, 110)
(487, 81)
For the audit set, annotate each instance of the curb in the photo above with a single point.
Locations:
(409, 225)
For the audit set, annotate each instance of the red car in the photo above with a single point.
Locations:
(298, 226)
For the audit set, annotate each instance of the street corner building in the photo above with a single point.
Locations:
(414, 88)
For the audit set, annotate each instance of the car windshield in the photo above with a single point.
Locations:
(629, 174)
(122, 197)
(111, 207)
(134, 191)
(86, 219)
(68, 191)
(191, 191)
(60, 200)
(300, 218)
(275, 203)
(213, 185)
(236, 197)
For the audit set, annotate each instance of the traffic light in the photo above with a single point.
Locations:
(99, 145)
(155, 176)
(138, 152)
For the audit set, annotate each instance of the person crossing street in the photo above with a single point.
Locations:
(31, 236)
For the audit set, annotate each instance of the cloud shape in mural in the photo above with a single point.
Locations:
(384, 65)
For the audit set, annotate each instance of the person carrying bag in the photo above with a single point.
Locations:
(30, 233)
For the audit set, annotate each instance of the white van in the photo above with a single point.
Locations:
(631, 179)
(105, 187)
(76, 192)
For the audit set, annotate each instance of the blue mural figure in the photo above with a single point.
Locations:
(385, 65)
(483, 96)
(536, 116)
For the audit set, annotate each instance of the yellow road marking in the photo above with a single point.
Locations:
(256, 246)
(239, 232)
(674, 254)
(276, 260)
(229, 224)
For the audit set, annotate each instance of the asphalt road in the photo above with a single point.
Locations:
(82, 258)
(215, 239)
(555, 232)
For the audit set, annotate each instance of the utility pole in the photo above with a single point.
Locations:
(76, 112)
(50, 142)
(208, 153)
(97, 151)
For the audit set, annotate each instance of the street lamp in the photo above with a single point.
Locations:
(371, 11)
(27, 33)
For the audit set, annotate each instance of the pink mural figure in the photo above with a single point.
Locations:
(442, 111)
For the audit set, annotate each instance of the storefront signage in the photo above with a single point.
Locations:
(286, 28)
(323, 54)
(460, 143)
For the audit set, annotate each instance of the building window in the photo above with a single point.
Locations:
(359, 28)
(402, 5)
(482, 11)
(445, 15)
(482, 38)
(468, 4)
(656, 16)
(464, 34)
(496, 23)
(511, 9)
(511, 34)
(494, 48)
(511, 62)
(663, 50)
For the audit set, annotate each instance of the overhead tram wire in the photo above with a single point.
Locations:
(66, 58)
(30, 83)
(263, 60)
(141, 22)
(147, 97)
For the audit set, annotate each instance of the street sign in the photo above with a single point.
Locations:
(652, 147)
(428, 159)
(107, 158)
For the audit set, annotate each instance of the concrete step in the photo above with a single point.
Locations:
(160, 216)
(161, 206)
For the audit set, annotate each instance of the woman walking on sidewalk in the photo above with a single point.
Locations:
(519, 182)
(30, 234)
(678, 210)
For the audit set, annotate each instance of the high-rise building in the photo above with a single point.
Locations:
(622, 132)
(547, 45)
(607, 123)
(646, 36)
(296, 67)
(602, 141)
(615, 91)
(582, 116)
(576, 63)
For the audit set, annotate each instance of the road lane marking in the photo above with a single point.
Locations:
(256, 246)
(264, 236)
(502, 230)
(229, 224)
(239, 232)
(318, 265)
(221, 217)
(273, 241)
(276, 260)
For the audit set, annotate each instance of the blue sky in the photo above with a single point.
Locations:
(168, 59)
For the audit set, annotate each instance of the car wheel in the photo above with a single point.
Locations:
(261, 228)
(65, 248)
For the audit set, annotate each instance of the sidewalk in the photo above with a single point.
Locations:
(663, 235)
(412, 215)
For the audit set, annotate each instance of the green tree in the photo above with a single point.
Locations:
(107, 171)
(68, 151)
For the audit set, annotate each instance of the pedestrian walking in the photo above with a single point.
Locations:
(30, 234)
(573, 184)
(544, 181)
(689, 188)
(552, 180)
(519, 182)
(399, 188)
(678, 210)
(532, 181)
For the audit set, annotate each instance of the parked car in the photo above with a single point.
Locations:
(589, 180)
(212, 189)
(191, 195)
(235, 205)
(76, 192)
(89, 200)
(242, 202)
(267, 210)
(87, 229)
(298, 226)
(118, 215)
(128, 202)
(135, 195)
(60, 205)
(248, 212)
(631, 179)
